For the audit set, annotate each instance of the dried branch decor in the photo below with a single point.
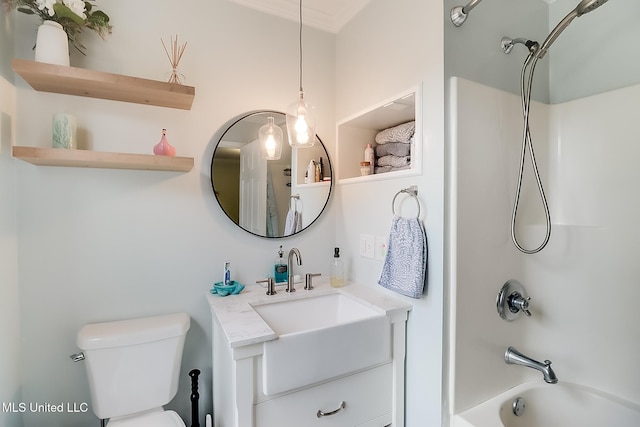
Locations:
(174, 58)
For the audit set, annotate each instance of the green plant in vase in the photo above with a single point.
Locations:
(75, 16)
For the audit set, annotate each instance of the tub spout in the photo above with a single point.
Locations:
(514, 357)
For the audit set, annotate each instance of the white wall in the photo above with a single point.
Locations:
(388, 48)
(10, 356)
(10, 390)
(97, 245)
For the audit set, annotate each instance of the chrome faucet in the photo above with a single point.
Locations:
(514, 357)
(296, 252)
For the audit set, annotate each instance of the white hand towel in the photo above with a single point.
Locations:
(405, 266)
(289, 224)
(293, 223)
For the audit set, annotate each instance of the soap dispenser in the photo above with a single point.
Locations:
(337, 270)
(280, 273)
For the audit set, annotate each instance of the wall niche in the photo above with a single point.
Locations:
(360, 129)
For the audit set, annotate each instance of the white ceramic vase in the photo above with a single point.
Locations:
(52, 45)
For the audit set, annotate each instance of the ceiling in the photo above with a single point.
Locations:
(327, 15)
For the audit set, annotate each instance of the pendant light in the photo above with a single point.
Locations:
(270, 137)
(301, 120)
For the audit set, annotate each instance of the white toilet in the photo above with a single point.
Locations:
(133, 368)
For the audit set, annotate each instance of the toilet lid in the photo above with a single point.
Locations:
(154, 419)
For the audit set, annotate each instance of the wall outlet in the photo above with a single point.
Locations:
(366, 245)
(380, 248)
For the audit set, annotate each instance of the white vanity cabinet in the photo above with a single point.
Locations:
(369, 397)
(361, 399)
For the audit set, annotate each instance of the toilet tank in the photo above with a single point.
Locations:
(133, 365)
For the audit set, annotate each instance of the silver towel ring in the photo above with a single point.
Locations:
(413, 192)
(295, 198)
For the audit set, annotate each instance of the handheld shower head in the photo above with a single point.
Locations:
(585, 6)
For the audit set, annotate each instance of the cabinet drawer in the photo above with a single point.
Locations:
(367, 396)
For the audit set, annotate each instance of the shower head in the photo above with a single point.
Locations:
(585, 6)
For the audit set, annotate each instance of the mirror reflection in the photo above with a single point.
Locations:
(264, 195)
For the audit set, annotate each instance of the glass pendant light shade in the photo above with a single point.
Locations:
(301, 124)
(270, 137)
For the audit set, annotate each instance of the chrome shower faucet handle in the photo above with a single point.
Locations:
(512, 300)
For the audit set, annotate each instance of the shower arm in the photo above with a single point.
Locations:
(459, 13)
(470, 6)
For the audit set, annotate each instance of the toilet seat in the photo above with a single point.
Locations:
(153, 419)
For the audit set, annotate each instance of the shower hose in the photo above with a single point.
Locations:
(525, 94)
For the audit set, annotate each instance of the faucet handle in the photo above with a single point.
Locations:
(519, 303)
(271, 285)
(512, 299)
(308, 280)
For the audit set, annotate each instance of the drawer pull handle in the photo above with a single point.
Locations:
(321, 414)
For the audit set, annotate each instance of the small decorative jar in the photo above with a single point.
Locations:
(365, 168)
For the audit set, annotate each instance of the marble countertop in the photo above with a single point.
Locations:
(243, 326)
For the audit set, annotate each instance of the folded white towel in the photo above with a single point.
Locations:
(405, 266)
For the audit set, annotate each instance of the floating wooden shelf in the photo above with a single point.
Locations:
(96, 159)
(96, 84)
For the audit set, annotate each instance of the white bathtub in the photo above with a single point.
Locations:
(552, 405)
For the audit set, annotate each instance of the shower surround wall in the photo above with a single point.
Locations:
(584, 285)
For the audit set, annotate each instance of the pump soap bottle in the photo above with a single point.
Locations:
(280, 273)
(337, 270)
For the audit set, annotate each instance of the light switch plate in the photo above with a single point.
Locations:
(366, 245)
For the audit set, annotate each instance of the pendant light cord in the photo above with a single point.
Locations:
(300, 44)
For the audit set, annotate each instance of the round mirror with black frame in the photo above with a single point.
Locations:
(267, 196)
